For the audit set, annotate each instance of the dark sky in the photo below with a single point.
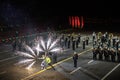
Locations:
(36, 11)
(38, 7)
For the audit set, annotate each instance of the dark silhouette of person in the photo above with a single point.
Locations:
(75, 58)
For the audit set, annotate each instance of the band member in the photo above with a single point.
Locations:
(106, 54)
(77, 43)
(73, 44)
(68, 43)
(83, 43)
(113, 54)
(94, 36)
(75, 58)
(113, 40)
(117, 44)
(109, 43)
(100, 52)
(94, 54)
(118, 55)
(87, 40)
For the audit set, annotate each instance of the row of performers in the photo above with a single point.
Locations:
(107, 54)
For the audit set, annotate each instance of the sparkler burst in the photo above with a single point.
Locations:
(29, 57)
(33, 54)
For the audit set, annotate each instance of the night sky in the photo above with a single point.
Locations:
(97, 15)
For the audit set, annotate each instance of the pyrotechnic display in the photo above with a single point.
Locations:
(31, 54)
(35, 45)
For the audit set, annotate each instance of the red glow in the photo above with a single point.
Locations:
(78, 21)
(73, 23)
(82, 25)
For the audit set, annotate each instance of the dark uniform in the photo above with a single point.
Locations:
(83, 43)
(66, 39)
(94, 54)
(94, 43)
(79, 38)
(77, 43)
(109, 43)
(73, 44)
(100, 52)
(54, 57)
(75, 58)
(114, 42)
(109, 53)
(118, 55)
(94, 36)
(72, 38)
(87, 40)
(68, 43)
(113, 54)
(117, 44)
(106, 54)
(106, 35)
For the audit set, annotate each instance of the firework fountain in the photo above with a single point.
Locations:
(33, 54)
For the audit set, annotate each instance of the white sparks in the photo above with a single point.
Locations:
(38, 48)
(30, 49)
(25, 61)
(24, 54)
(29, 66)
(53, 44)
(55, 50)
(31, 57)
(42, 43)
(48, 43)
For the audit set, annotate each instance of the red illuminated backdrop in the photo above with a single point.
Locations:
(76, 21)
